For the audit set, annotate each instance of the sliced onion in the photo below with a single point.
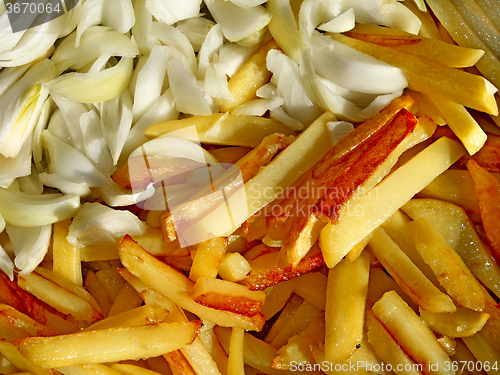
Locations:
(248, 3)
(321, 93)
(379, 103)
(31, 184)
(18, 166)
(36, 141)
(150, 81)
(196, 30)
(97, 41)
(354, 70)
(188, 96)
(213, 42)
(116, 121)
(233, 55)
(95, 223)
(27, 210)
(171, 11)
(340, 24)
(6, 264)
(65, 123)
(286, 75)
(30, 245)
(21, 104)
(96, 149)
(238, 23)
(116, 196)
(9, 76)
(216, 84)
(70, 163)
(67, 187)
(141, 31)
(162, 110)
(94, 87)
(118, 14)
(172, 37)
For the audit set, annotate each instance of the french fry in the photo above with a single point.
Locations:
(234, 267)
(488, 358)
(96, 252)
(453, 224)
(464, 355)
(160, 365)
(379, 283)
(24, 302)
(235, 364)
(111, 281)
(296, 350)
(126, 300)
(396, 228)
(228, 296)
(224, 129)
(93, 368)
(139, 316)
(114, 344)
(447, 265)
(346, 179)
(256, 353)
(312, 287)
(407, 275)
(208, 258)
(177, 287)
(96, 290)
(336, 240)
(488, 194)
(66, 257)
(413, 336)
(211, 342)
(291, 306)
(230, 154)
(282, 172)
(437, 50)
(277, 297)
(15, 325)
(387, 348)
(178, 363)
(74, 301)
(454, 186)
(301, 318)
(345, 308)
(262, 279)
(461, 323)
(20, 362)
(126, 369)
(426, 76)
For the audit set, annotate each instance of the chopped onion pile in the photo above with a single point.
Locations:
(78, 92)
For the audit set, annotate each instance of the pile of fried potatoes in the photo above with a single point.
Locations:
(377, 252)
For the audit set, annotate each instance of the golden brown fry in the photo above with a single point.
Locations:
(411, 334)
(345, 307)
(15, 325)
(177, 287)
(66, 257)
(488, 194)
(461, 323)
(224, 129)
(387, 348)
(24, 302)
(454, 224)
(228, 296)
(208, 258)
(407, 275)
(392, 193)
(447, 265)
(114, 344)
(178, 363)
(21, 363)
